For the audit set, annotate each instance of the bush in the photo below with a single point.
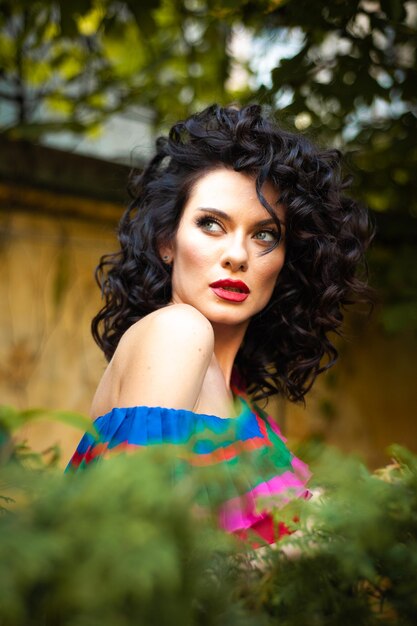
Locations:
(123, 543)
(117, 544)
(353, 559)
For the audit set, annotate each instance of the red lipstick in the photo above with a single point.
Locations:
(231, 290)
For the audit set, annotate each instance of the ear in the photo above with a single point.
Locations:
(166, 253)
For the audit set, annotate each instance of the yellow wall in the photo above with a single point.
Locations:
(48, 358)
(368, 400)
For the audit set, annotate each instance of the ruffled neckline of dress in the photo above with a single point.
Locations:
(204, 440)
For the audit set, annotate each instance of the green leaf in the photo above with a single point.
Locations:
(12, 419)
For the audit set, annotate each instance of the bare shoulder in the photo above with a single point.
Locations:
(177, 322)
(162, 359)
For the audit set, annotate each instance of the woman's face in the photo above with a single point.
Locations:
(217, 261)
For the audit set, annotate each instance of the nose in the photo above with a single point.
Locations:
(235, 254)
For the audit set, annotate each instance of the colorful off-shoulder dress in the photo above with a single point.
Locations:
(251, 440)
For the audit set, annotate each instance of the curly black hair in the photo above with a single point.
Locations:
(287, 344)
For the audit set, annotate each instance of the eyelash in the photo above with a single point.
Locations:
(205, 219)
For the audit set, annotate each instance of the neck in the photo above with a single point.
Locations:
(227, 341)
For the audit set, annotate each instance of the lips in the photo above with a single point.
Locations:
(231, 290)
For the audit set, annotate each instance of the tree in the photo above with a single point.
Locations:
(68, 66)
(353, 83)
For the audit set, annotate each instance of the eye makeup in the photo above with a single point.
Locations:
(209, 222)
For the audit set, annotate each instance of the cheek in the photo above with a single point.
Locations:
(269, 274)
(193, 250)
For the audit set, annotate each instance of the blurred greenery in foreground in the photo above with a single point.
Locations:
(121, 544)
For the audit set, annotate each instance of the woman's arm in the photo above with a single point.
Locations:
(163, 359)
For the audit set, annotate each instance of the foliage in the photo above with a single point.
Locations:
(66, 66)
(354, 557)
(123, 543)
(114, 545)
(395, 277)
(353, 83)
(349, 73)
(12, 419)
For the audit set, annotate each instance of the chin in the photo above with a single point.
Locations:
(222, 313)
(232, 318)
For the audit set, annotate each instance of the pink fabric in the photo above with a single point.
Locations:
(240, 512)
(276, 428)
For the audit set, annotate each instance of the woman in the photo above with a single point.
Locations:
(237, 254)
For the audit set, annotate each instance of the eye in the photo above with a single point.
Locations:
(269, 236)
(209, 224)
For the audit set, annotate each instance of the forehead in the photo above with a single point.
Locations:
(232, 192)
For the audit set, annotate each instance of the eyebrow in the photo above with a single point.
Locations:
(267, 222)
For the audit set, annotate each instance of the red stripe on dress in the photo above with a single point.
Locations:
(225, 453)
